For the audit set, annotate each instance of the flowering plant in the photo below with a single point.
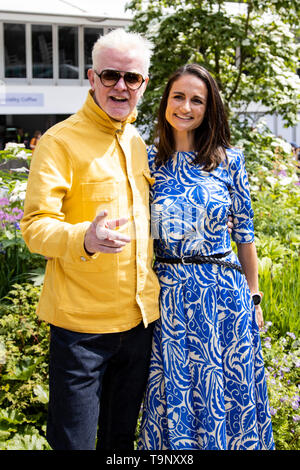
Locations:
(16, 262)
(282, 363)
(8, 214)
(12, 197)
(13, 150)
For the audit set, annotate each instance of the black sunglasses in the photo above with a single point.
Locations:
(111, 77)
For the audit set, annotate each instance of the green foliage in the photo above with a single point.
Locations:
(281, 300)
(252, 53)
(17, 264)
(23, 371)
(275, 193)
(275, 189)
(282, 362)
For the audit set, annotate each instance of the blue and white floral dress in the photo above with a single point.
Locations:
(206, 387)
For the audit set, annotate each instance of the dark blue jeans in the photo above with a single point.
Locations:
(96, 379)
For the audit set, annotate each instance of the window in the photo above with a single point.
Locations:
(42, 62)
(15, 53)
(68, 52)
(90, 37)
(57, 51)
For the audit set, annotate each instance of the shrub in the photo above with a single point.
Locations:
(282, 363)
(24, 371)
(275, 192)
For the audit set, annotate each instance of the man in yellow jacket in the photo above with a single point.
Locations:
(87, 211)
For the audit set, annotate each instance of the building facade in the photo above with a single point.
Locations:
(45, 52)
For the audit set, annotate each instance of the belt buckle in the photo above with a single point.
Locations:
(183, 259)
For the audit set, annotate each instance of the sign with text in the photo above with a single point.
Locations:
(21, 99)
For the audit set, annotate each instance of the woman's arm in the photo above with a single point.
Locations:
(248, 259)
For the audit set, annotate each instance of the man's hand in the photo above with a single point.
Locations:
(102, 236)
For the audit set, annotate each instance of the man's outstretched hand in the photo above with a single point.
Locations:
(102, 235)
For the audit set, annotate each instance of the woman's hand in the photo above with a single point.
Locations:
(230, 224)
(259, 316)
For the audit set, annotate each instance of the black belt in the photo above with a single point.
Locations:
(198, 259)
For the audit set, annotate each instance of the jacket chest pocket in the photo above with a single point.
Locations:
(98, 196)
(143, 183)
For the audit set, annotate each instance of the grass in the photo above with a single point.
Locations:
(281, 300)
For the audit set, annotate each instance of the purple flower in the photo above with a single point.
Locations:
(18, 213)
(273, 411)
(283, 399)
(296, 418)
(4, 201)
(267, 341)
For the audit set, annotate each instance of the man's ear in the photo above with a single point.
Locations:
(145, 84)
(91, 77)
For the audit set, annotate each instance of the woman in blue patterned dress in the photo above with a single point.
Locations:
(206, 387)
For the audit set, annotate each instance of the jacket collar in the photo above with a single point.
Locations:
(99, 117)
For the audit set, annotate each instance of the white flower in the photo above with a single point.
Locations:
(13, 145)
(2, 353)
(22, 154)
(271, 180)
(17, 197)
(288, 180)
(20, 186)
(3, 191)
(246, 42)
(20, 170)
(19, 192)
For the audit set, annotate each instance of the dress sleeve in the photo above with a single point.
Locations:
(243, 230)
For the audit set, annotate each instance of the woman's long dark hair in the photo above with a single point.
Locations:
(211, 137)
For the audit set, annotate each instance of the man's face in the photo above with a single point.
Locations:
(117, 101)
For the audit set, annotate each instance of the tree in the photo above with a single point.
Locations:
(252, 53)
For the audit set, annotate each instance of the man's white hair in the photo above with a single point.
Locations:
(123, 41)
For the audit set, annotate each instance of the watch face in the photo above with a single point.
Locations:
(256, 299)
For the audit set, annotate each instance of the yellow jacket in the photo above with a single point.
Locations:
(81, 166)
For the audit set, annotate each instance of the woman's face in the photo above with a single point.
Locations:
(186, 104)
